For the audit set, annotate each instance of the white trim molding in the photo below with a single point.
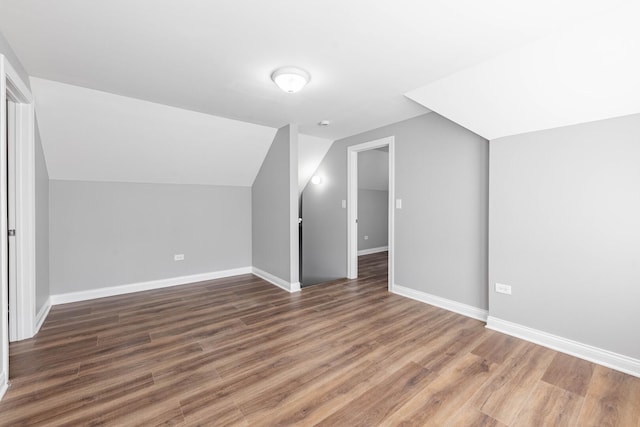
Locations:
(373, 250)
(144, 286)
(4, 259)
(447, 304)
(42, 315)
(4, 385)
(275, 280)
(597, 355)
(15, 93)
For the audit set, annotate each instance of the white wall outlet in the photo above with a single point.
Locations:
(344, 204)
(366, 237)
(398, 203)
(178, 257)
(503, 289)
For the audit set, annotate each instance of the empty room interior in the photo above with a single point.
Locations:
(336, 213)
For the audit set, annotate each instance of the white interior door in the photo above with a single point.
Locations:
(4, 287)
(11, 219)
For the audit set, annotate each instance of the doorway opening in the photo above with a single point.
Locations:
(352, 205)
(17, 295)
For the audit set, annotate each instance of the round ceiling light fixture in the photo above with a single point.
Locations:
(290, 79)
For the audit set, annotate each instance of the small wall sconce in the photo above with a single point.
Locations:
(316, 179)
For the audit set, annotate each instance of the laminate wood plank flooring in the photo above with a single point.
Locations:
(240, 351)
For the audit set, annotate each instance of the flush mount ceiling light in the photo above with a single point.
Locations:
(290, 79)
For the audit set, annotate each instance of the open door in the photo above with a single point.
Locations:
(17, 141)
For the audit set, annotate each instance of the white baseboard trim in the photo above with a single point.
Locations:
(597, 355)
(373, 250)
(4, 385)
(275, 280)
(42, 315)
(144, 286)
(447, 304)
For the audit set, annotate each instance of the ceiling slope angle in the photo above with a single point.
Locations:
(217, 57)
(311, 151)
(96, 136)
(589, 71)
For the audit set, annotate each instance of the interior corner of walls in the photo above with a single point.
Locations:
(41, 317)
(447, 304)
(275, 280)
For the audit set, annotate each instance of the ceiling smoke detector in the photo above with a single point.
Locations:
(324, 123)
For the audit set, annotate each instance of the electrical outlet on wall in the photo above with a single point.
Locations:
(178, 257)
(503, 289)
(366, 237)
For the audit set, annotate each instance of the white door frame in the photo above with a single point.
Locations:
(352, 204)
(22, 306)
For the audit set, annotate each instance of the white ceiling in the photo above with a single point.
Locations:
(216, 57)
(589, 71)
(97, 136)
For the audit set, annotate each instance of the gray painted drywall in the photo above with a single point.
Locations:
(108, 234)
(42, 224)
(441, 230)
(373, 170)
(565, 232)
(373, 218)
(7, 51)
(274, 204)
(373, 199)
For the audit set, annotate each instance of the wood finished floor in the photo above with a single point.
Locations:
(239, 351)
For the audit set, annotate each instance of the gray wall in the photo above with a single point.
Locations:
(373, 170)
(373, 218)
(373, 199)
(42, 224)
(274, 204)
(109, 234)
(441, 230)
(565, 232)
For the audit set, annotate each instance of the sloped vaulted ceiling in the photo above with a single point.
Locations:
(588, 71)
(216, 57)
(97, 136)
(194, 100)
